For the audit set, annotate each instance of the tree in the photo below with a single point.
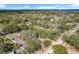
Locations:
(47, 43)
(59, 49)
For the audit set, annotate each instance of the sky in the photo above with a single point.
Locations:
(38, 6)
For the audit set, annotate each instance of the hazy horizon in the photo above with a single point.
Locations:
(37, 6)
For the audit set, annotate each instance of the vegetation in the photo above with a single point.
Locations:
(11, 28)
(7, 46)
(59, 49)
(24, 31)
(33, 46)
(72, 40)
(45, 33)
(47, 43)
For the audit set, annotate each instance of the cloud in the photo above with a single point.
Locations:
(61, 8)
(20, 7)
(46, 7)
(2, 6)
(26, 7)
(51, 7)
(75, 5)
(23, 7)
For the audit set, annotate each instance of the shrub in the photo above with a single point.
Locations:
(33, 46)
(7, 46)
(59, 49)
(72, 40)
(10, 28)
(23, 26)
(47, 43)
(7, 40)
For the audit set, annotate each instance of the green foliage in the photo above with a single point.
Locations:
(53, 35)
(47, 43)
(4, 21)
(45, 33)
(7, 46)
(33, 46)
(7, 40)
(59, 49)
(65, 27)
(76, 18)
(23, 26)
(77, 31)
(10, 28)
(38, 24)
(72, 40)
